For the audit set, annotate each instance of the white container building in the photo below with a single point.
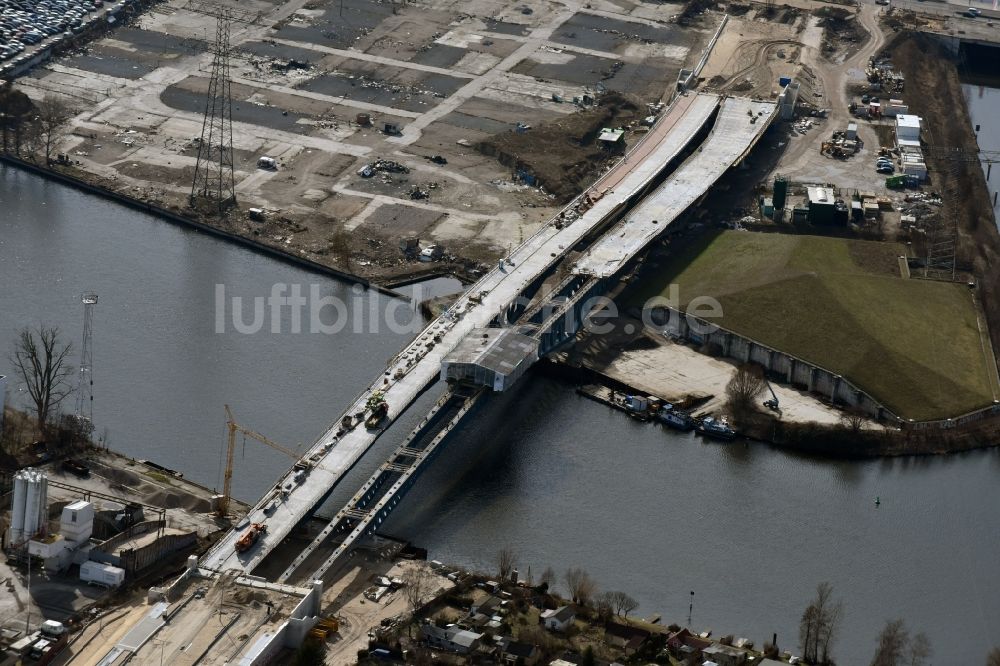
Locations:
(101, 574)
(907, 130)
(77, 522)
(914, 165)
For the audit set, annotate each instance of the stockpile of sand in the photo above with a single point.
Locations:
(174, 499)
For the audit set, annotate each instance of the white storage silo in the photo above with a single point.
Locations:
(17, 508)
(35, 504)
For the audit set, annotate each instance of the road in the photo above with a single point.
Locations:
(802, 156)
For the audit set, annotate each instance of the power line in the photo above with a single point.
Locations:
(214, 180)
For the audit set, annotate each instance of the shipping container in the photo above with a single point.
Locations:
(101, 574)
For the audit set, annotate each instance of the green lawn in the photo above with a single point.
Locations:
(912, 344)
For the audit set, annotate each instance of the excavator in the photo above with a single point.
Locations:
(772, 402)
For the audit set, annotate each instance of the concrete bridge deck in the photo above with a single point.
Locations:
(418, 365)
(740, 123)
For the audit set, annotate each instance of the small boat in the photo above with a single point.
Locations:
(675, 418)
(717, 428)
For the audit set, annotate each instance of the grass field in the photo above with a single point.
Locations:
(914, 345)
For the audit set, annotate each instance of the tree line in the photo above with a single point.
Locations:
(31, 127)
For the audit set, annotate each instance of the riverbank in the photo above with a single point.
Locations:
(805, 424)
(927, 66)
(84, 182)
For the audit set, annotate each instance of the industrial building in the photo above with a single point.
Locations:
(108, 546)
(492, 357)
(821, 205)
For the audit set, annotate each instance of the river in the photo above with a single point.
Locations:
(984, 108)
(565, 481)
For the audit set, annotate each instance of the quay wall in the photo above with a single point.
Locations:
(181, 220)
(798, 372)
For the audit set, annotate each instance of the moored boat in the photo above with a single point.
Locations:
(675, 418)
(717, 428)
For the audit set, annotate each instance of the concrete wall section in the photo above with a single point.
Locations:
(290, 634)
(787, 368)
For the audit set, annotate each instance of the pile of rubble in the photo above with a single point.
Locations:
(382, 166)
(394, 88)
(881, 73)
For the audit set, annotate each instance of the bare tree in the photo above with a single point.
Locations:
(920, 650)
(993, 658)
(604, 606)
(808, 632)
(506, 559)
(340, 245)
(622, 603)
(416, 585)
(818, 625)
(52, 115)
(580, 585)
(39, 359)
(828, 630)
(892, 642)
(548, 577)
(745, 387)
(853, 419)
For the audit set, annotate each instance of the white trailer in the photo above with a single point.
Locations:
(101, 574)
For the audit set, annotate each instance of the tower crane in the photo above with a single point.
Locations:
(232, 427)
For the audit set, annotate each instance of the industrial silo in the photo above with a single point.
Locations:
(36, 516)
(17, 507)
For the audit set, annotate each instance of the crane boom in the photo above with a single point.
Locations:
(232, 427)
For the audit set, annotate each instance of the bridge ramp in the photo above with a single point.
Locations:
(418, 365)
(739, 125)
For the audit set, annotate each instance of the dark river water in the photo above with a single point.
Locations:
(984, 107)
(565, 481)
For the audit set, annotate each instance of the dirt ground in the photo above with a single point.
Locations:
(447, 75)
(358, 615)
(565, 155)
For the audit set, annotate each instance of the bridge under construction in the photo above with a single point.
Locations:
(532, 303)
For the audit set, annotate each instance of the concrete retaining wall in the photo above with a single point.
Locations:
(800, 373)
(789, 369)
(136, 560)
(290, 634)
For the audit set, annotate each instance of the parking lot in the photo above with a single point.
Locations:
(34, 23)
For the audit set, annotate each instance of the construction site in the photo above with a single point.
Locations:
(541, 150)
(356, 125)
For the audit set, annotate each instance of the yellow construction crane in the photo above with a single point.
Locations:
(232, 428)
